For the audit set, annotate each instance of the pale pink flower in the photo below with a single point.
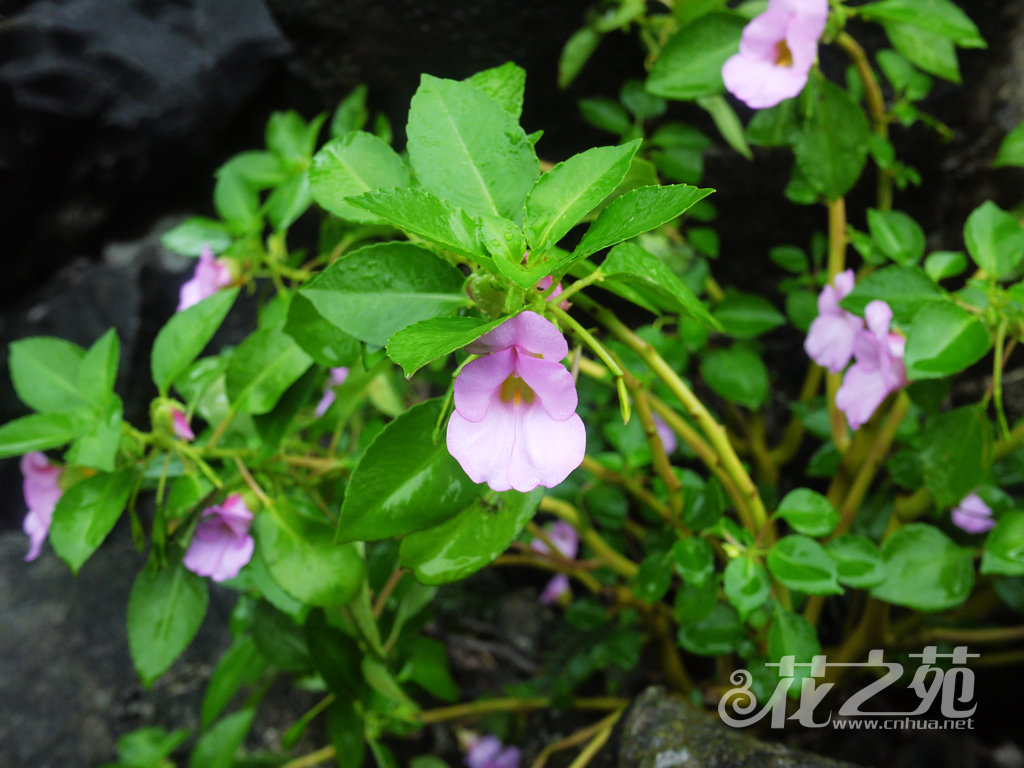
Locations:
(878, 369)
(777, 50)
(335, 378)
(567, 543)
(515, 423)
(668, 437)
(973, 515)
(831, 336)
(545, 282)
(221, 544)
(210, 276)
(182, 429)
(489, 752)
(42, 492)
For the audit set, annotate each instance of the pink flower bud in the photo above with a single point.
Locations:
(42, 492)
(221, 544)
(973, 515)
(489, 752)
(182, 429)
(210, 276)
(335, 378)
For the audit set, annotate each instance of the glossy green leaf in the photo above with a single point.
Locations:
(195, 234)
(942, 17)
(327, 345)
(928, 50)
(404, 482)
(44, 372)
(747, 315)
(924, 570)
(808, 512)
(904, 289)
(467, 149)
(345, 729)
(737, 374)
(955, 454)
(374, 292)
(236, 201)
(942, 264)
(857, 559)
(775, 126)
(165, 609)
(217, 747)
(1004, 546)
(98, 443)
(505, 84)
(995, 239)
(421, 213)
(653, 578)
(98, 370)
(287, 202)
(832, 146)
(303, 559)
(336, 656)
(642, 103)
(636, 212)
(427, 665)
(803, 564)
(351, 113)
(746, 585)
(570, 190)
(86, 513)
(715, 634)
(790, 634)
(606, 114)
(185, 335)
(576, 53)
(37, 432)
(241, 664)
(1011, 150)
(727, 122)
(944, 339)
(261, 368)
(350, 165)
(897, 235)
(690, 64)
(420, 343)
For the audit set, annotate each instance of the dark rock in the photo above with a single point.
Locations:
(662, 731)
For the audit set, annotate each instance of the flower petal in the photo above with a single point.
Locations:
(546, 450)
(878, 315)
(830, 340)
(528, 331)
(555, 588)
(862, 391)
(478, 385)
(484, 448)
(551, 382)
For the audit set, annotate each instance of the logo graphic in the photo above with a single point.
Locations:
(952, 688)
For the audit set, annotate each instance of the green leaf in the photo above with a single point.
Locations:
(217, 747)
(421, 213)
(727, 123)
(301, 555)
(955, 454)
(746, 585)
(857, 559)
(808, 512)
(86, 513)
(420, 343)
(241, 664)
(653, 578)
(350, 165)
(643, 104)
(185, 335)
(790, 634)
(904, 76)
(428, 667)
(97, 444)
(345, 729)
(467, 149)
(1004, 546)
(570, 190)
(1011, 150)
(327, 345)
(261, 368)
(747, 315)
(165, 609)
(995, 239)
(336, 656)
(694, 560)
(37, 432)
(44, 372)
(148, 747)
(939, 16)
(289, 136)
(629, 264)
(832, 145)
(924, 570)
(404, 482)
(606, 114)
(737, 374)
(576, 53)
(351, 113)
(717, 633)
(236, 201)
(944, 339)
(374, 292)
(98, 370)
(690, 64)
(278, 635)
(273, 426)
(193, 235)
(803, 564)
(636, 212)
(928, 50)
(505, 84)
(775, 126)
(897, 235)
(289, 201)
(904, 289)
(942, 264)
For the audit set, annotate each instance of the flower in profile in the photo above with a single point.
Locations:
(973, 515)
(210, 276)
(567, 543)
(831, 336)
(182, 429)
(489, 752)
(221, 544)
(515, 424)
(335, 378)
(668, 437)
(878, 369)
(545, 282)
(42, 492)
(777, 50)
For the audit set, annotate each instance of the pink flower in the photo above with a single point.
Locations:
(830, 338)
(668, 437)
(335, 378)
(567, 543)
(221, 544)
(489, 752)
(973, 515)
(878, 369)
(42, 492)
(515, 423)
(210, 276)
(545, 282)
(182, 429)
(776, 52)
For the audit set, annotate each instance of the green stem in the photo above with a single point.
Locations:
(492, 706)
(997, 379)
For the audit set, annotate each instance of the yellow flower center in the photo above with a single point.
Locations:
(515, 390)
(783, 56)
